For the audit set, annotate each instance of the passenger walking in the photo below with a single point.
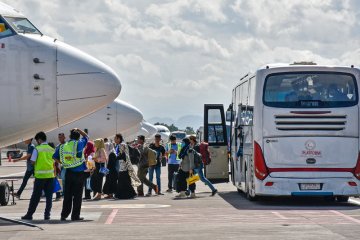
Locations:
(89, 153)
(172, 153)
(143, 167)
(127, 177)
(59, 169)
(29, 167)
(186, 169)
(199, 170)
(44, 173)
(160, 152)
(109, 147)
(72, 158)
(100, 159)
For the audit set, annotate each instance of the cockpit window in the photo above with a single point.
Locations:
(22, 25)
(5, 31)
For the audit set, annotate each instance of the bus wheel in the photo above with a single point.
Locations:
(247, 188)
(4, 193)
(342, 198)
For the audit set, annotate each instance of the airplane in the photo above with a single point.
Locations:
(115, 118)
(145, 128)
(45, 83)
(164, 132)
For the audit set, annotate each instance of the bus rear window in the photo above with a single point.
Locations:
(310, 90)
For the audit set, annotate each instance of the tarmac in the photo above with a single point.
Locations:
(227, 215)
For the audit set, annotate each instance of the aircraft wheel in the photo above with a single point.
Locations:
(4, 193)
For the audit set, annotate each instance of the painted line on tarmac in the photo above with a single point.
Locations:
(345, 216)
(279, 215)
(129, 206)
(112, 216)
(13, 174)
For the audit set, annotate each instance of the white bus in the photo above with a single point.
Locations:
(294, 132)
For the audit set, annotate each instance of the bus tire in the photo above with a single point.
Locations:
(4, 193)
(342, 198)
(247, 188)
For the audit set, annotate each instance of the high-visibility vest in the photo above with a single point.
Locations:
(68, 155)
(44, 164)
(178, 150)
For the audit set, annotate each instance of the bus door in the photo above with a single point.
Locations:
(216, 136)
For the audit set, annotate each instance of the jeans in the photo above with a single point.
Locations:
(200, 172)
(46, 185)
(157, 170)
(25, 180)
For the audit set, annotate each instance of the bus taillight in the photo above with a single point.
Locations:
(261, 170)
(357, 168)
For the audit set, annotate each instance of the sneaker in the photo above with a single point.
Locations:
(77, 219)
(181, 195)
(160, 193)
(148, 194)
(26, 217)
(192, 195)
(156, 189)
(214, 192)
(169, 190)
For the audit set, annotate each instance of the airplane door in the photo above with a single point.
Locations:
(216, 136)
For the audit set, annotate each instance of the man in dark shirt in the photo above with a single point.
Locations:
(29, 166)
(160, 152)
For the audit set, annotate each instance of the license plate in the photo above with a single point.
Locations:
(310, 186)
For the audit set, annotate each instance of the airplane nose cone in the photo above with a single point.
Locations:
(84, 84)
(128, 116)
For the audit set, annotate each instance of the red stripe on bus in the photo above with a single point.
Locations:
(311, 170)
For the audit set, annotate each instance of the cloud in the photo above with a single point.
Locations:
(185, 53)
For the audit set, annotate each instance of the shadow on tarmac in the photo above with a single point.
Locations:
(240, 202)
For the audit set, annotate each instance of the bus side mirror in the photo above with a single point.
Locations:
(230, 116)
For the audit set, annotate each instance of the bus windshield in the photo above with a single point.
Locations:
(310, 90)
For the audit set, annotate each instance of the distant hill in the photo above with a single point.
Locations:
(194, 121)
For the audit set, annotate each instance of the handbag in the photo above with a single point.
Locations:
(56, 185)
(193, 178)
(104, 170)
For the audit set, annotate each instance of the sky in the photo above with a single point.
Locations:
(175, 56)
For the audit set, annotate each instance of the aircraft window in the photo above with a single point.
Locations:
(22, 25)
(5, 31)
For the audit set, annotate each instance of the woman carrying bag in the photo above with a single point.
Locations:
(186, 169)
(100, 159)
(89, 152)
(127, 179)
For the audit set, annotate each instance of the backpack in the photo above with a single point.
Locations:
(134, 155)
(205, 153)
(151, 157)
(197, 159)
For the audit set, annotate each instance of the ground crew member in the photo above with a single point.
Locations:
(72, 158)
(44, 173)
(172, 153)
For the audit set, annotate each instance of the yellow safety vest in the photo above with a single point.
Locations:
(44, 164)
(68, 155)
(178, 150)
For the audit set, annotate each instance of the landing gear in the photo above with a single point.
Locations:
(4, 193)
(14, 154)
